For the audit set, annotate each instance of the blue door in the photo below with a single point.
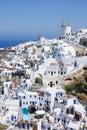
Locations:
(74, 101)
(33, 103)
(47, 103)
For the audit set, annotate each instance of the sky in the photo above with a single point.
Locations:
(24, 20)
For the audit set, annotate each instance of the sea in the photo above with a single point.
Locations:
(14, 42)
(4, 44)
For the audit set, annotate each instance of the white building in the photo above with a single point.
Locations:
(50, 95)
(30, 100)
(6, 72)
(6, 86)
(42, 40)
(74, 109)
(13, 108)
(52, 69)
(41, 102)
(66, 29)
(65, 51)
(51, 76)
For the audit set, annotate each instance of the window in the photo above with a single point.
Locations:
(6, 85)
(56, 94)
(71, 128)
(30, 102)
(61, 69)
(35, 96)
(46, 93)
(49, 94)
(26, 103)
(42, 98)
(54, 72)
(74, 101)
(23, 102)
(30, 96)
(58, 119)
(51, 72)
(48, 128)
(56, 82)
(61, 94)
(40, 104)
(51, 84)
(39, 98)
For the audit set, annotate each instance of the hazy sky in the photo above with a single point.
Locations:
(32, 18)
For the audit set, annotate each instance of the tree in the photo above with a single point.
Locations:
(39, 81)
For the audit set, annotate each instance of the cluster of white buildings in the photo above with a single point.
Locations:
(50, 61)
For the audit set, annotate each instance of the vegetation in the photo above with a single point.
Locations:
(7, 79)
(83, 41)
(53, 48)
(32, 110)
(2, 127)
(1, 56)
(39, 81)
(78, 87)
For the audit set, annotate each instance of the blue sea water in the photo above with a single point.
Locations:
(14, 42)
(4, 44)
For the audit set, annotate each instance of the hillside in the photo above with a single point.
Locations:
(78, 87)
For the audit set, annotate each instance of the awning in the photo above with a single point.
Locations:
(78, 113)
(40, 112)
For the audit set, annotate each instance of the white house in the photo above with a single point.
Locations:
(30, 100)
(65, 68)
(6, 72)
(73, 126)
(52, 69)
(41, 101)
(13, 108)
(50, 95)
(46, 48)
(74, 109)
(6, 86)
(65, 51)
(42, 40)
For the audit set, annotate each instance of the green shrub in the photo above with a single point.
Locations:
(2, 127)
(69, 88)
(39, 81)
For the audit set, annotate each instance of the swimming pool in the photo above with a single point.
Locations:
(26, 114)
(28, 117)
(25, 111)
